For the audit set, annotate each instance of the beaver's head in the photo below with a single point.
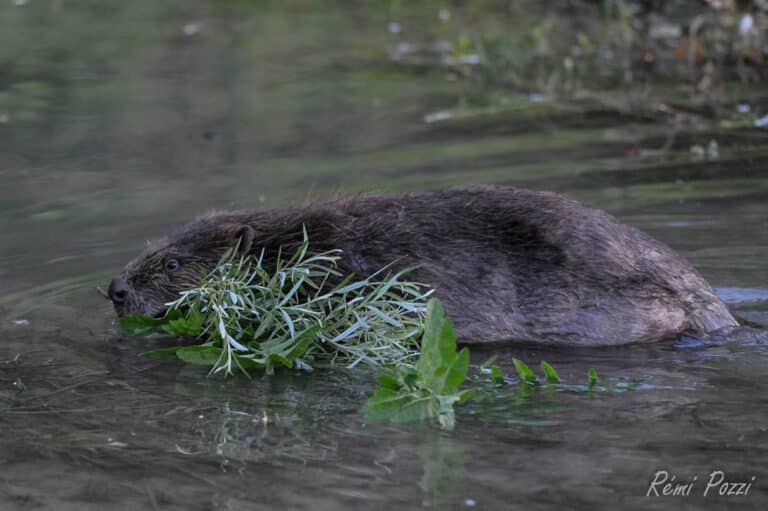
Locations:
(176, 263)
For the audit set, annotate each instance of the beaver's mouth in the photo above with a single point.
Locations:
(155, 313)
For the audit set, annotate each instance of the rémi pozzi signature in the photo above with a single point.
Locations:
(665, 484)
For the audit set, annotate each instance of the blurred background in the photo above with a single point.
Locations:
(122, 119)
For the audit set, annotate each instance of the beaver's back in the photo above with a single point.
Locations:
(508, 264)
(531, 266)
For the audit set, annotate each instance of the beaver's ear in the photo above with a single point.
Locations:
(244, 240)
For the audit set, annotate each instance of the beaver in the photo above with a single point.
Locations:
(508, 264)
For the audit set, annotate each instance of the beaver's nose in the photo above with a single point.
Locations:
(118, 290)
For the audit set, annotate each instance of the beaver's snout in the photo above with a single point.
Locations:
(118, 291)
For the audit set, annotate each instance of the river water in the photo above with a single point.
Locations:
(118, 123)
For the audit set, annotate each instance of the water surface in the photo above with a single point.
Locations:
(121, 122)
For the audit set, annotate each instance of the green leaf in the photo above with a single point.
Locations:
(464, 395)
(388, 404)
(146, 325)
(388, 381)
(200, 355)
(488, 364)
(549, 373)
(430, 390)
(277, 358)
(191, 326)
(304, 341)
(456, 374)
(591, 377)
(496, 376)
(524, 372)
(141, 325)
(246, 362)
(409, 377)
(447, 343)
(175, 327)
(434, 324)
(440, 368)
(285, 351)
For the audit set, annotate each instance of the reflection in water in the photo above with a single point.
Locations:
(125, 120)
(443, 460)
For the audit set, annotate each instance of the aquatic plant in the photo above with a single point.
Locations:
(550, 375)
(431, 388)
(591, 377)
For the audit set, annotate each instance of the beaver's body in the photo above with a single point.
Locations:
(508, 264)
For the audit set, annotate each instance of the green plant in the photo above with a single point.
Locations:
(549, 373)
(250, 317)
(431, 388)
(524, 372)
(591, 377)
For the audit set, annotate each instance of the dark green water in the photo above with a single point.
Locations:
(119, 122)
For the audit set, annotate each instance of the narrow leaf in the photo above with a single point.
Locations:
(591, 377)
(524, 372)
(549, 373)
(141, 325)
(496, 376)
(200, 355)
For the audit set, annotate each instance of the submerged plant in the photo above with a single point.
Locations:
(253, 317)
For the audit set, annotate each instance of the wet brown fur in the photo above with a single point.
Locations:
(508, 264)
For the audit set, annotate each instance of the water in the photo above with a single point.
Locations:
(120, 122)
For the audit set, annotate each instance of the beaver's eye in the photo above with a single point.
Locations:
(172, 265)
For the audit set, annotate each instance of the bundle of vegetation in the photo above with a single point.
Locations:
(249, 317)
